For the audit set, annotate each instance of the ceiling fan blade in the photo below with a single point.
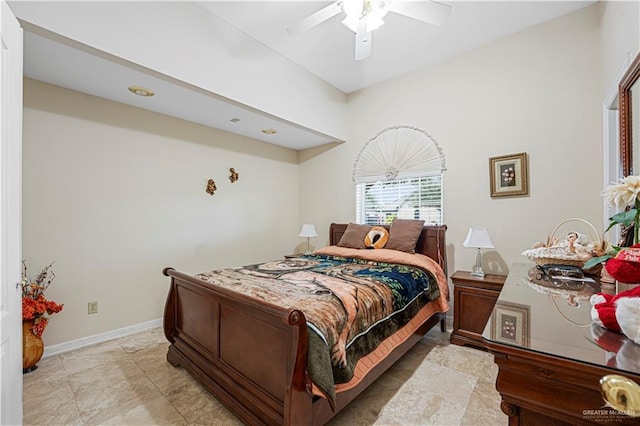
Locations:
(363, 41)
(431, 12)
(315, 19)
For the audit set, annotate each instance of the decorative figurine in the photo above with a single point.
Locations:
(234, 175)
(211, 187)
(573, 246)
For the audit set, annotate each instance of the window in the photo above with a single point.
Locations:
(378, 203)
(399, 174)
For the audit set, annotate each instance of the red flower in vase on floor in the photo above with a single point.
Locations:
(34, 304)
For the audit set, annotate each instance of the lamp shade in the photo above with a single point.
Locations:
(478, 238)
(308, 231)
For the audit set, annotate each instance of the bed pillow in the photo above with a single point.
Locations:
(376, 238)
(353, 236)
(404, 234)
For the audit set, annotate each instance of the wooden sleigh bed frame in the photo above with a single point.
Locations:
(253, 355)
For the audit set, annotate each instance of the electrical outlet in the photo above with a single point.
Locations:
(92, 308)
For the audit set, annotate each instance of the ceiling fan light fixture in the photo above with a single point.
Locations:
(372, 11)
(362, 17)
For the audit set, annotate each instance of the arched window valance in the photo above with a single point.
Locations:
(397, 153)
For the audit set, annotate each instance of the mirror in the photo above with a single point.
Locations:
(629, 96)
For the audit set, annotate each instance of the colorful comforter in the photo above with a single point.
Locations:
(352, 300)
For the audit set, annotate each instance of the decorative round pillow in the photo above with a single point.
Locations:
(376, 238)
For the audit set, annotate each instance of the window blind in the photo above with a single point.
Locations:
(420, 197)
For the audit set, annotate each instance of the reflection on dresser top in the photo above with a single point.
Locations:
(553, 317)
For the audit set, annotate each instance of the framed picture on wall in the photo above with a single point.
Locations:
(509, 175)
(510, 323)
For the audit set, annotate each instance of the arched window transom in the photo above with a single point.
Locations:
(398, 173)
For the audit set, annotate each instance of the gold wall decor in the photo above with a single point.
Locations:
(234, 175)
(211, 187)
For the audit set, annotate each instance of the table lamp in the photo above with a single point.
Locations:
(478, 238)
(308, 231)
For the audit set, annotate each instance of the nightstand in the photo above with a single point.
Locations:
(473, 301)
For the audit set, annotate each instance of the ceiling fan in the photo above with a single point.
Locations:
(364, 16)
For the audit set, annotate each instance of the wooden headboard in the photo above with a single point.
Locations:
(432, 241)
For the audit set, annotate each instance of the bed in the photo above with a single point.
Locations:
(259, 358)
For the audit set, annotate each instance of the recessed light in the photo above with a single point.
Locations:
(269, 131)
(141, 91)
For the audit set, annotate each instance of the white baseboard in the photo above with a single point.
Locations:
(71, 345)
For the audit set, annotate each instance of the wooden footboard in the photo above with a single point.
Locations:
(252, 356)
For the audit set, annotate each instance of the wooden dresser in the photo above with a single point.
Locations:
(550, 357)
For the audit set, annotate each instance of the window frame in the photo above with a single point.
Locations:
(386, 215)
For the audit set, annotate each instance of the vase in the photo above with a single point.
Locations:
(32, 347)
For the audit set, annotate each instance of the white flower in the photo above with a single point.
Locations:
(623, 194)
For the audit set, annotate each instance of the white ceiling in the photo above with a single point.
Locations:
(400, 46)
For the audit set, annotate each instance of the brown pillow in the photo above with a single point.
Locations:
(353, 236)
(404, 234)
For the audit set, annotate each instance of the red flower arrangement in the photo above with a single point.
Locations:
(34, 304)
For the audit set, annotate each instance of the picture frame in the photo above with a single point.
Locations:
(509, 175)
(510, 324)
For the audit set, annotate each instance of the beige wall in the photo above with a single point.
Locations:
(536, 91)
(113, 194)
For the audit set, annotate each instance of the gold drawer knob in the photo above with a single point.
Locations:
(621, 394)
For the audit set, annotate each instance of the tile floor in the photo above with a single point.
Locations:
(128, 382)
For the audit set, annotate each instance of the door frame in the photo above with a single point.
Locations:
(11, 49)
(612, 168)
